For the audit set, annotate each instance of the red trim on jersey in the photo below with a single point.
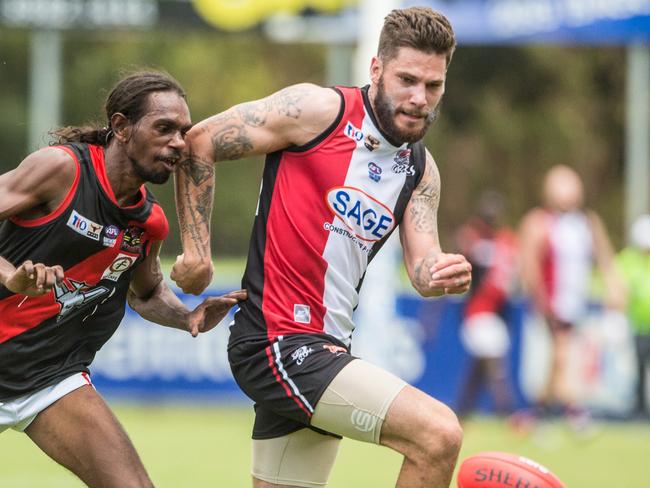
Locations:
(97, 157)
(156, 226)
(279, 379)
(294, 228)
(20, 313)
(86, 377)
(64, 203)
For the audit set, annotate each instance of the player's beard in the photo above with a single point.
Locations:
(386, 111)
(157, 177)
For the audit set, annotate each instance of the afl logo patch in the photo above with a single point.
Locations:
(374, 171)
(367, 218)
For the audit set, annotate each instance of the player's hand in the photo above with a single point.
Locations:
(208, 314)
(450, 274)
(192, 275)
(33, 279)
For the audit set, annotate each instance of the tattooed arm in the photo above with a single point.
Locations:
(432, 272)
(292, 116)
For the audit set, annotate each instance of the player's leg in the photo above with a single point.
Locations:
(81, 433)
(300, 459)
(366, 403)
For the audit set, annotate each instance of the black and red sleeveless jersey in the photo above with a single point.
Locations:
(98, 243)
(324, 211)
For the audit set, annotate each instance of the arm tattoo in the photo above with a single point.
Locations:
(254, 114)
(194, 213)
(422, 275)
(287, 102)
(230, 139)
(424, 202)
(197, 170)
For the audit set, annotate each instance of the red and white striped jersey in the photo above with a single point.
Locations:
(325, 209)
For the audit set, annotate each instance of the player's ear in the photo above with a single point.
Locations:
(121, 127)
(376, 69)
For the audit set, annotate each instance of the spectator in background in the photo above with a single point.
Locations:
(491, 249)
(559, 244)
(634, 262)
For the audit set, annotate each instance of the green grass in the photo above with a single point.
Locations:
(210, 447)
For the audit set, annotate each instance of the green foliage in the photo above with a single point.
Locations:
(509, 114)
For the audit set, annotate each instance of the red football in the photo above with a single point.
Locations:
(504, 470)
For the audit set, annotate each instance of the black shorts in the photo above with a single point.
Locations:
(286, 378)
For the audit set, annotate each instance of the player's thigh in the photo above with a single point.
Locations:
(367, 403)
(80, 432)
(356, 402)
(301, 459)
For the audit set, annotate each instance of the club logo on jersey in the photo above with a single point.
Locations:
(120, 264)
(132, 240)
(371, 142)
(352, 132)
(301, 313)
(84, 226)
(374, 171)
(300, 354)
(110, 235)
(403, 163)
(75, 295)
(367, 218)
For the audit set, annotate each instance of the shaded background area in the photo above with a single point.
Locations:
(508, 115)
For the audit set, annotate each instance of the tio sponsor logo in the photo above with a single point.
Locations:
(84, 226)
(368, 219)
(352, 132)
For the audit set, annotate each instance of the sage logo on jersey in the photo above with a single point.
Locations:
(84, 226)
(352, 132)
(367, 218)
(403, 163)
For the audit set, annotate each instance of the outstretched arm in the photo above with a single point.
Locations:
(292, 116)
(150, 296)
(432, 272)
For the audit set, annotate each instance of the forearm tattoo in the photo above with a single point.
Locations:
(422, 275)
(424, 202)
(195, 203)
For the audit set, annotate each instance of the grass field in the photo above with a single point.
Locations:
(210, 447)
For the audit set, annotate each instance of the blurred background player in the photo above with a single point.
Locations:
(634, 262)
(344, 168)
(79, 232)
(491, 248)
(559, 243)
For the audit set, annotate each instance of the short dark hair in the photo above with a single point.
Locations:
(421, 28)
(129, 97)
